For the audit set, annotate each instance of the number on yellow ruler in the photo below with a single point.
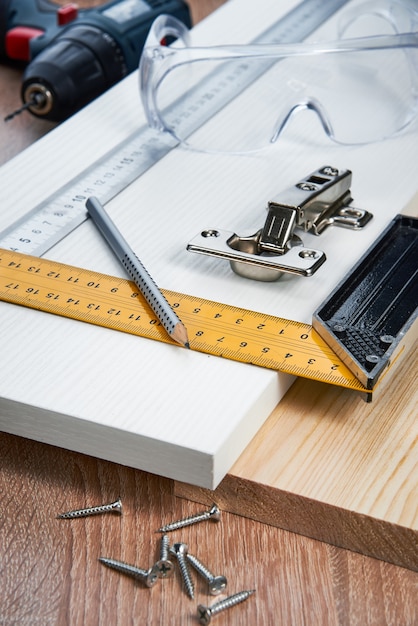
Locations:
(213, 328)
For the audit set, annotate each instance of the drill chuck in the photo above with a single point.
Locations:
(38, 99)
(75, 55)
(65, 76)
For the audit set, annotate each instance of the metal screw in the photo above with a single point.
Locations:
(217, 584)
(180, 550)
(205, 613)
(371, 361)
(340, 329)
(113, 507)
(210, 233)
(164, 566)
(213, 513)
(328, 170)
(386, 340)
(306, 186)
(308, 254)
(147, 576)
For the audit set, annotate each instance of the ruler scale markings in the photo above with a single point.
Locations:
(265, 336)
(50, 221)
(55, 217)
(115, 303)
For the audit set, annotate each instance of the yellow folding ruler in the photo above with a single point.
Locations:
(213, 328)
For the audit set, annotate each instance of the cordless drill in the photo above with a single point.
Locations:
(74, 55)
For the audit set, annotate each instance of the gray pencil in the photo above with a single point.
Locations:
(137, 272)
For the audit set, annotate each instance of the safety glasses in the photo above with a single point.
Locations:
(361, 88)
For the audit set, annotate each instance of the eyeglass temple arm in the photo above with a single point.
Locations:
(168, 26)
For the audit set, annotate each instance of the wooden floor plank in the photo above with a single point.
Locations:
(51, 574)
(330, 466)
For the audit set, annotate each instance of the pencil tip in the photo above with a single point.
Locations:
(180, 335)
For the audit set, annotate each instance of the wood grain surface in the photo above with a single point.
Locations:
(332, 467)
(49, 569)
(50, 574)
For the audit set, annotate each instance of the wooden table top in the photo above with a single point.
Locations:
(50, 573)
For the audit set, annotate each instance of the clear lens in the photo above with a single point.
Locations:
(358, 96)
(368, 95)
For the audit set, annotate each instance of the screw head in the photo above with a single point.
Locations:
(308, 254)
(204, 614)
(371, 361)
(340, 329)
(217, 585)
(152, 576)
(387, 340)
(210, 233)
(328, 170)
(165, 568)
(215, 513)
(307, 186)
(180, 548)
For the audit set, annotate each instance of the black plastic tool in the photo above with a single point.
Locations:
(373, 314)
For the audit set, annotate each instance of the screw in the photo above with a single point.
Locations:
(328, 170)
(180, 550)
(340, 329)
(213, 513)
(164, 565)
(113, 507)
(148, 577)
(205, 613)
(217, 584)
(386, 340)
(210, 233)
(306, 186)
(308, 254)
(371, 361)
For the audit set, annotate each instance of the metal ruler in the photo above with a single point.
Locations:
(54, 218)
(213, 328)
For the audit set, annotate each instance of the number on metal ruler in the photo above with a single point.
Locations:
(54, 218)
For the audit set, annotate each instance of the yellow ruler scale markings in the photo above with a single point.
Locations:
(213, 328)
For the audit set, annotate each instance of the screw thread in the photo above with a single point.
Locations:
(149, 577)
(180, 551)
(213, 513)
(164, 548)
(93, 510)
(185, 573)
(226, 603)
(125, 568)
(200, 568)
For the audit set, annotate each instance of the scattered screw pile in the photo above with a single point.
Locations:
(164, 567)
